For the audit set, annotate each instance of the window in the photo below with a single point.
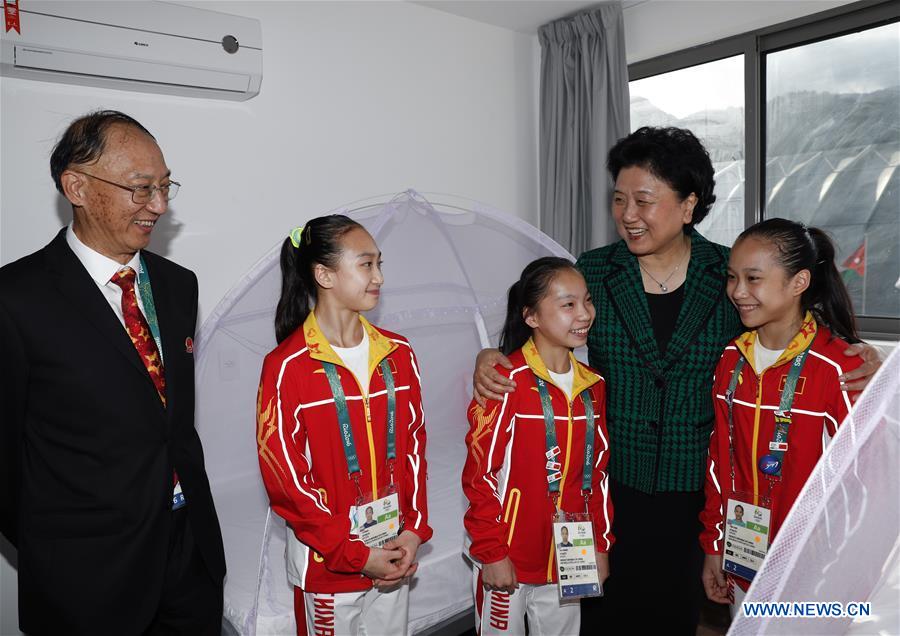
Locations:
(716, 117)
(832, 150)
(801, 121)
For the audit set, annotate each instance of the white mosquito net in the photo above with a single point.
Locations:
(841, 540)
(447, 270)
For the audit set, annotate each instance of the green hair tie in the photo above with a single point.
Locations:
(295, 235)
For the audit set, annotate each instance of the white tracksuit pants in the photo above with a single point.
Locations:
(739, 596)
(503, 613)
(369, 613)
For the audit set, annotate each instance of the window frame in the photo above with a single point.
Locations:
(754, 46)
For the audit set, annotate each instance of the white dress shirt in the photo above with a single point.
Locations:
(102, 269)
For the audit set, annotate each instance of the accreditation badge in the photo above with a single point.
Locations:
(576, 561)
(746, 535)
(177, 497)
(376, 522)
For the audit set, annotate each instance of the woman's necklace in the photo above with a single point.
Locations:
(662, 283)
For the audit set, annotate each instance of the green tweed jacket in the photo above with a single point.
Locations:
(659, 409)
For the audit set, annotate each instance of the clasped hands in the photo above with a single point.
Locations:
(500, 576)
(394, 561)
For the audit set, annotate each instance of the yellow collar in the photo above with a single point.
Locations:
(747, 341)
(320, 349)
(582, 378)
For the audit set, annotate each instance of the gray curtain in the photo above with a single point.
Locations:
(584, 111)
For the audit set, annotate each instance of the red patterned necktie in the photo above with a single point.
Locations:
(139, 330)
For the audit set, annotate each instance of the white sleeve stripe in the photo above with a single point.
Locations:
(605, 442)
(414, 463)
(490, 456)
(412, 362)
(487, 477)
(847, 403)
(305, 549)
(296, 424)
(604, 489)
(818, 355)
(315, 498)
(506, 468)
(712, 473)
(415, 422)
(840, 372)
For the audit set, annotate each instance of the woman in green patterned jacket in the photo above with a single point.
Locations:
(662, 322)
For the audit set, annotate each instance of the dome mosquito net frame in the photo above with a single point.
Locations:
(448, 267)
(840, 543)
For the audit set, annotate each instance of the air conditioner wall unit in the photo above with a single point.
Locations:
(154, 47)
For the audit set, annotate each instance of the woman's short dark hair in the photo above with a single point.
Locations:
(85, 139)
(673, 155)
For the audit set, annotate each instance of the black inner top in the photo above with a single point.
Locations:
(664, 310)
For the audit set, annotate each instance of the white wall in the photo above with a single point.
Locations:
(358, 99)
(656, 27)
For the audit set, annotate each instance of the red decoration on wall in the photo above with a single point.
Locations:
(11, 10)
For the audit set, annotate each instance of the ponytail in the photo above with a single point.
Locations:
(293, 305)
(801, 248)
(317, 243)
(525, 294)
(515, 331)
(827, 297)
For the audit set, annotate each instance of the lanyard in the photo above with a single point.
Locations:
(772, 463)
(143, 282)
(340, 403)
(554, 477)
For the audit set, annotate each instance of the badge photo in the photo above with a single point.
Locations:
(576, 557)
(746, 535)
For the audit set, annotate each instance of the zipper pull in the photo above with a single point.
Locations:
(554, 498)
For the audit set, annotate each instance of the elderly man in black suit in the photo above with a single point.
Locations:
(104, 491)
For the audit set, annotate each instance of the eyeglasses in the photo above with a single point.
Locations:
(144, 193)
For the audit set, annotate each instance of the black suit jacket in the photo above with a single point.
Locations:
(88, 449)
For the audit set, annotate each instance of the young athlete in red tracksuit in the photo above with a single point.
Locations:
(508, 473)
(782, 279)
(341, 437)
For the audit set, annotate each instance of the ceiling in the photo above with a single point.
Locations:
(524, 16)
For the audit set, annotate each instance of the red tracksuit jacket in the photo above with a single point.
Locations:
(818, 409)
(505, 478)
(302, 458)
